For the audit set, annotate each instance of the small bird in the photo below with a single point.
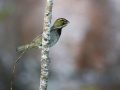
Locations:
(55, 32)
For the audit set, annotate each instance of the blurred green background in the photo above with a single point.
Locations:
(86, 57)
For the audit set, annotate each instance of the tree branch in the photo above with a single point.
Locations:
(45, 48)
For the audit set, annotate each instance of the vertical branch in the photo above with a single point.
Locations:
(45, 46)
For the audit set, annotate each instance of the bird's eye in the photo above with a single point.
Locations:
(65, 21)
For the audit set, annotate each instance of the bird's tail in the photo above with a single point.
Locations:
(21, 48)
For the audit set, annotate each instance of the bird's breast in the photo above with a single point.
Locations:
(54, 37)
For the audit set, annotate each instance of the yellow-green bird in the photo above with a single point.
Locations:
(55, 33)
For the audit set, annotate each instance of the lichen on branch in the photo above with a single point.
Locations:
(45, 46)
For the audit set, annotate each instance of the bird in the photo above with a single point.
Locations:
(55, 33)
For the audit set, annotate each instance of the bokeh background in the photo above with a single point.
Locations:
(86, 57)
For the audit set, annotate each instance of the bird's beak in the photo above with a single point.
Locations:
(68, 22)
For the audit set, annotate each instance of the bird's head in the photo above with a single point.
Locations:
(60, 23)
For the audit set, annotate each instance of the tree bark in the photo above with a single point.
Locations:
(45, 48)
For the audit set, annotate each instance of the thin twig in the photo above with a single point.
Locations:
(17, 60)
(15, 67)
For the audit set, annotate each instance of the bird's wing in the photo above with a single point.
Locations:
(37, 38)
